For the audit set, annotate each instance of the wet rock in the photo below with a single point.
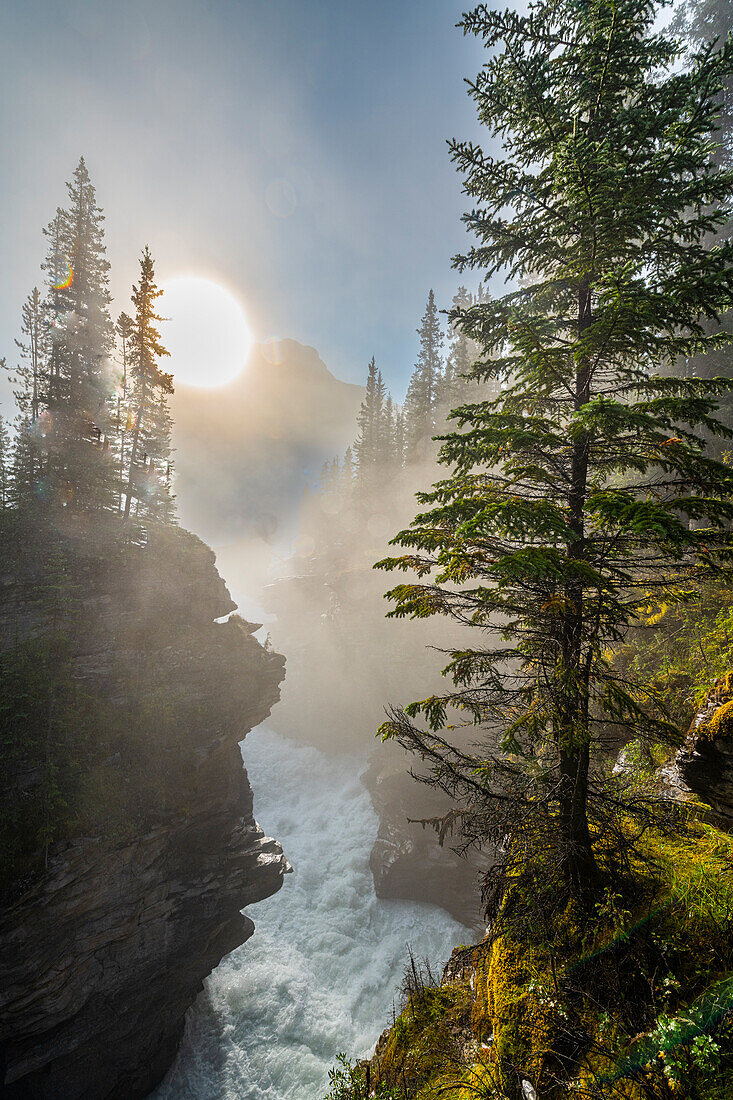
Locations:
(407, 859)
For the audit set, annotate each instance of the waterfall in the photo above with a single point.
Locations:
(320, 972)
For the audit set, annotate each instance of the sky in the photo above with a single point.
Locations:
(293, 150)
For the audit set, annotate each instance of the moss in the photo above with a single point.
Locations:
(426, 1045)
(720, 726)
(522, 1018)
(632, 1000)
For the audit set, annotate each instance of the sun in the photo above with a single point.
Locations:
(206, 332)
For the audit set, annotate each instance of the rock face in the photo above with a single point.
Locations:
(102, 952)
(407, 860)
(704, 764)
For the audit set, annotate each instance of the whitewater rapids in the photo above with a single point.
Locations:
(320, 972)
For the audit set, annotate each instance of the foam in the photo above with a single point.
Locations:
(319, 974)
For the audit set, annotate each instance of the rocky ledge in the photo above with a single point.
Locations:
(106, 945)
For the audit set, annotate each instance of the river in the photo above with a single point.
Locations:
(319, 974)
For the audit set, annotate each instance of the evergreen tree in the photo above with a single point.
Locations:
(123, 418)
(31, 372)
(347, 474)
(28, 482)
(370, 424)
(702, 21)
(461, 353)
(78, 466)
(124, 329)
(585, 494)
(399, 437)
(5, 465)
(149, 458)
(387, 442)
(422, 393)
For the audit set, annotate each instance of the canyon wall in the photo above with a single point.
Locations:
(109, 928)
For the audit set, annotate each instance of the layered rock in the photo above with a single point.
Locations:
(103, 951)
(407, 859)
(704, 765)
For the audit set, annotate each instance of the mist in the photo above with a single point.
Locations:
(366, 550)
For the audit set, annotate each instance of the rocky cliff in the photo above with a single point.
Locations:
(407, 859)
(704, 764)
(111, 921)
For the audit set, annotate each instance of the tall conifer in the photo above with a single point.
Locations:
(79, 388)
(422, 394)
(149, 455)
(585, 493)
(370, 426)
(5, 465)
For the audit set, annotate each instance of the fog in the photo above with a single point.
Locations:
(245, 452)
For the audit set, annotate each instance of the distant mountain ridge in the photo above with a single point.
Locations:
(246, 451)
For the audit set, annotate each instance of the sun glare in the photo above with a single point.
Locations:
(206, 333)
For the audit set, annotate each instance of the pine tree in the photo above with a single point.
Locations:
(149, 457)
(29, 485)
(422, 393)
(461, 352)
(387, 441)
(399, 438)
(124, 329)
(585, 493)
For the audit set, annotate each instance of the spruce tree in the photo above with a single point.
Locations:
(399, 437)
(701, 21)
(31, 379)
(31, 372)
(584, 494)
(149, 455)
(79, 470)
(29, 485)
(5, 465)
(123, 417)
(346, 483)
(370, 425)
(704, 21)
(422, 393)
(387, 442)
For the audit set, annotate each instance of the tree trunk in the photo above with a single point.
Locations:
(574, 734)
(133, 457)
(578, 860)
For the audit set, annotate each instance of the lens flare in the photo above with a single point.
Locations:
(67, 281)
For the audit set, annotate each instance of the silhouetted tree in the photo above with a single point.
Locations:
(422, 393)
(31, 372)
(150, 434)
(5, 465)
(369, 443)
(701, 21)
(79, 468)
